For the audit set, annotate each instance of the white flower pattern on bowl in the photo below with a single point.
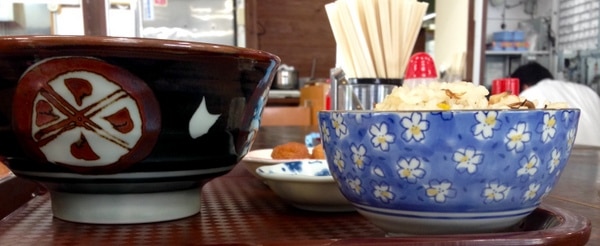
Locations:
(494, 163)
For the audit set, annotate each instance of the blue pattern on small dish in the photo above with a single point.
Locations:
(307, 168)
(306, 184)
(312, 139)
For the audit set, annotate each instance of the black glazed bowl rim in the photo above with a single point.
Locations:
(126, 47)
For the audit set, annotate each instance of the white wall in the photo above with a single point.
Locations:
(451, 30)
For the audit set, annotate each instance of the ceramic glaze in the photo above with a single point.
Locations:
(262, 158)
(448, 165)
(201, 121)
(85, 114)
(297, 169)
(104, 119)
(306, 184)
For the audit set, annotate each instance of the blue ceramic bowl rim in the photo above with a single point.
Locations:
(448, 111)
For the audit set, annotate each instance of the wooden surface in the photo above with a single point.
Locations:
(14, 192)
(288, 101)
(241, 210)
(286, 116)
(238, 209)
(314, 95)
(94, 17)
(3, 170)
(297, 31)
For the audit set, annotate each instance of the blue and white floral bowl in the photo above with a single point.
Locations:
(305, 184)
(439, 172)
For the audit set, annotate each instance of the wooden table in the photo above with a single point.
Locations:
(238, 209)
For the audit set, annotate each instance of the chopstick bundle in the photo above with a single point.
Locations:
(375, 37)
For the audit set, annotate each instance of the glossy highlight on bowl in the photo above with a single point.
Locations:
(432, 172)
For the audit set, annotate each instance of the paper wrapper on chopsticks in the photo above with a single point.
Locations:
(375, 37)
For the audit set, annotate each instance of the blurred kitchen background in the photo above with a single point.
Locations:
(212, 21)
(562, 35)
(481, 40)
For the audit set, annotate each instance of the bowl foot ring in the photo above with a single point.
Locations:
(132, 208)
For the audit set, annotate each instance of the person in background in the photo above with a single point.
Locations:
(595, 83)
(538, 84)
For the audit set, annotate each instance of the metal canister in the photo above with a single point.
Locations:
(286, 79)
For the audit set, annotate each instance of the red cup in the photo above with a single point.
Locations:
(506, 84)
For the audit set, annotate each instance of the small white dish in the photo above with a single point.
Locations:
(261, 157)
(306, 184)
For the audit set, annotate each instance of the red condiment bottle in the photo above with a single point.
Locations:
(510, 85)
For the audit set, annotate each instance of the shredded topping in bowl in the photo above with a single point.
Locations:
(455, 95)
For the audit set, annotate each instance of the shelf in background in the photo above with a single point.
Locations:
(515, 53)
(274, 93)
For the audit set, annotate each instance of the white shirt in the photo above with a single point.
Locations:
(577, 96)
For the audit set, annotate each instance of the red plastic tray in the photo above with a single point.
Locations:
(243, 211)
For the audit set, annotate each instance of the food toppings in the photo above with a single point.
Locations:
(318, 152)
(294, 150)
(291, 150)
(453, 96)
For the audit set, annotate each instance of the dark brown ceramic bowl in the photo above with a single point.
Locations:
(125, 130)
